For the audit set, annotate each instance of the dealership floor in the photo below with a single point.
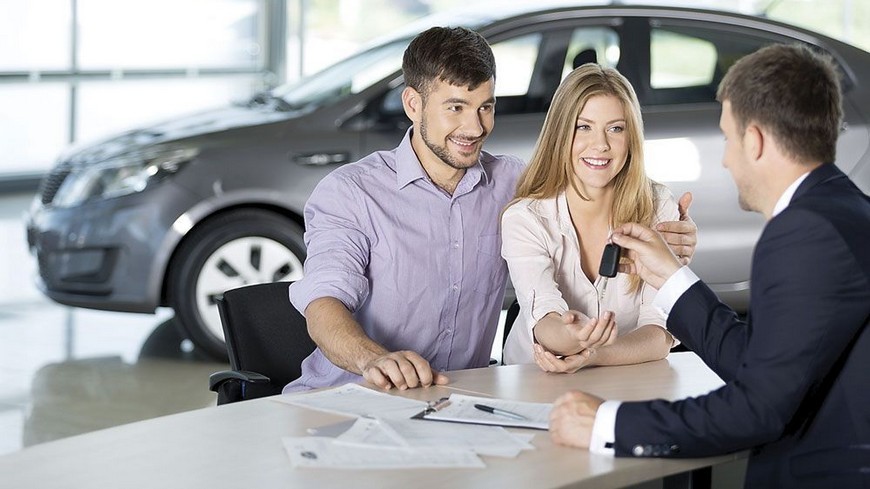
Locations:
(66, 371)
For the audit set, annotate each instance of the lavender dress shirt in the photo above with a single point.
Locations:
(419, 269)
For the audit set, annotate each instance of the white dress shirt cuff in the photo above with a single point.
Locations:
(604, 429)
(673, 288)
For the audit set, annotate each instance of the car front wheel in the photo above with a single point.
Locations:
(240, 247)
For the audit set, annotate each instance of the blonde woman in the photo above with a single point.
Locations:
(585, 178)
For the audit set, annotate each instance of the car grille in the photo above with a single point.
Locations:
(52, 182)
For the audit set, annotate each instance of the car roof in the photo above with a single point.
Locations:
(489, 15)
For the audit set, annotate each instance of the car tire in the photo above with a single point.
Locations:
(236, 248)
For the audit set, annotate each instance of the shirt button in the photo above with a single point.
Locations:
(637, 450)
(456, 245)
(455, 287)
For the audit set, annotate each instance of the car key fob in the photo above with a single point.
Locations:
(610, 260)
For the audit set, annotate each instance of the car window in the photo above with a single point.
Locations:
(688, 60)
(347, 77)
(694, 66)
(591, 45)
(515, 62)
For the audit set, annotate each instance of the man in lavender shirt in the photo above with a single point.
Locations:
(404, 277)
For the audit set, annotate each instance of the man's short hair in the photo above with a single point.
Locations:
(455, 55)
(793, 92)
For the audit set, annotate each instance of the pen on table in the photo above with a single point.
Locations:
(500, 412)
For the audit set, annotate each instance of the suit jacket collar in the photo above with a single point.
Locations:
(822, 174)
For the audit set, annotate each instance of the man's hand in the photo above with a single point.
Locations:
(682, 235)
(572, 418)
(561, 365)
(402, 370)
(590, 333)
(648, 254)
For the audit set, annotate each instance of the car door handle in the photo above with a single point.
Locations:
(319, 159)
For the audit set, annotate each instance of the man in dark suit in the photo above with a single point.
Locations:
(797, 372)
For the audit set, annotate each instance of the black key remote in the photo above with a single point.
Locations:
(610, 260)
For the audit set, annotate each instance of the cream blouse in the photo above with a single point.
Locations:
(543, 256)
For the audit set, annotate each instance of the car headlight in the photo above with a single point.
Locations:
(120, 176)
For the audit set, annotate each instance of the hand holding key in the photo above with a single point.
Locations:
(610, 260)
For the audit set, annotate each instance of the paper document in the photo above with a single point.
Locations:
(460, 408)
(356, 400)
(324, 453)
(412, 433)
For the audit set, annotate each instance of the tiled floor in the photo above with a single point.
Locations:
(65, 371)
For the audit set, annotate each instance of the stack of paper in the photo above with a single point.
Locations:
(325, 453)
(384, 435)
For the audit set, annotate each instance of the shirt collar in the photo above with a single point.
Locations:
(786, 196)
(408, 167)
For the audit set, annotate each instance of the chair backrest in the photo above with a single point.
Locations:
(583, 57)
(264, 334)
(511, 316)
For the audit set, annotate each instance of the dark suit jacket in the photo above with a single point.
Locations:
(797, 373)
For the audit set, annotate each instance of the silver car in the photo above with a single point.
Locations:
(174, 214)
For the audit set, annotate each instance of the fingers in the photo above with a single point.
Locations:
(545, 359)
(649, 255)
(678, 233)
(636, 231)
(567, 398)
(375, 377)
(595, 331)
(627, 267)
(403, 370)
(681, 237)
(571, 316)
(572, 418)
(634, 237)
(683, 206)
(553, 364)
(611, 338)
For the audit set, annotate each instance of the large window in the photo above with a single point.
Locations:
(126, 64)
(35, 35)
(34, 122)
(161, 34)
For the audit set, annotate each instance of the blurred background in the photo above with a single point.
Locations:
(74, 71)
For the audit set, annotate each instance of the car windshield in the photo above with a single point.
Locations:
(347, 77)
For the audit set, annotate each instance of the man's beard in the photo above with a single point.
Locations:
(443, 153)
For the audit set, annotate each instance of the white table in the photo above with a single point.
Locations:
(239, 445)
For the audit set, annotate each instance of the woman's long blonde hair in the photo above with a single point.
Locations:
(550, 170)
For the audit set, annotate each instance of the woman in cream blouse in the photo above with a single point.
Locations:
(585, 177)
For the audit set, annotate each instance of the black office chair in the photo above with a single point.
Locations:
(583, 57)
(512, 313)
(267, 339)
(511, 316)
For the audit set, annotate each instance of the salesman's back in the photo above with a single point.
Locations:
(827, 439)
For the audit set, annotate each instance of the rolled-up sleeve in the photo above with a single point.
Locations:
(337, 246)
(532, 271)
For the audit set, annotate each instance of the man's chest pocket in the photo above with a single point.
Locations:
(489, 267)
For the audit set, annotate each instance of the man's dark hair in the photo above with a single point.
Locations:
(792, 91)
(455, 55)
